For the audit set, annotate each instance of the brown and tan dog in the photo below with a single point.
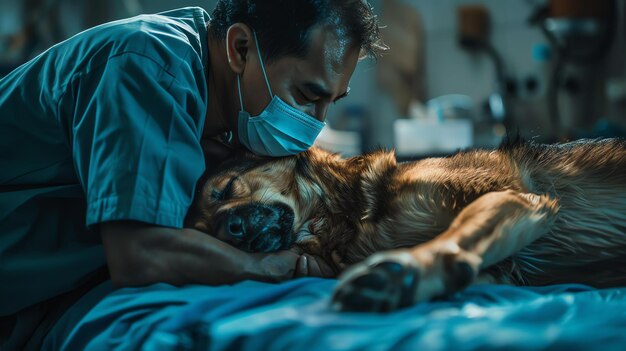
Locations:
(525, 214)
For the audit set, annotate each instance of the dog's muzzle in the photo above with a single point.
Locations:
(256, 227)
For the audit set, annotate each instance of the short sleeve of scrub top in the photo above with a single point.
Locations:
(104, 126)
(135, 142)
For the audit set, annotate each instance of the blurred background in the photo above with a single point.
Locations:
(460, 74)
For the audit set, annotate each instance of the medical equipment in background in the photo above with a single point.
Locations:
(581, 33)
(27, 27)
(442, 126)
(346, 143)
(616, 81)
(398, 80)
(474, 28)
(400, 72)
(344, 134)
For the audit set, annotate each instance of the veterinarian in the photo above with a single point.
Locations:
(104, 136)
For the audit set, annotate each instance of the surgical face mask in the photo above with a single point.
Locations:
(280, 130)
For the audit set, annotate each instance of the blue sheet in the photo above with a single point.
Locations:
(296, 316)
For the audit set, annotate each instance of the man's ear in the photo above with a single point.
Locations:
(239, 43)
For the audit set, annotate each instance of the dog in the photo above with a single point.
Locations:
(522, 214)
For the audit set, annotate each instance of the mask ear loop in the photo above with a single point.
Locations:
(267, 82)
(256, 40)
(239, 89)
(228, 136)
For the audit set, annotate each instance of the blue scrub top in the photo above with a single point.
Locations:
(104, 126)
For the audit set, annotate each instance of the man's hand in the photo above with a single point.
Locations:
(314, 266)
(140, 254)
(288, 264)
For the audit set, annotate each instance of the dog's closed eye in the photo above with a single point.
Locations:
(235, 187)
(226, 193)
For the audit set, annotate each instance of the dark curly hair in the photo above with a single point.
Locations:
(283, 26)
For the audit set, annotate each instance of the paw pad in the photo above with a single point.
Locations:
(381, 286)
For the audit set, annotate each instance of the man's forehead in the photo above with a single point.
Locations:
(329, 62)
(329, 49)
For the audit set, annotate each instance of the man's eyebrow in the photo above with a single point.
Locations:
(320, 91)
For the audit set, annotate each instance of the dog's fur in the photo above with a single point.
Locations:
(525, 214)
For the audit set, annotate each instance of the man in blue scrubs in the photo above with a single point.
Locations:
(104, 136)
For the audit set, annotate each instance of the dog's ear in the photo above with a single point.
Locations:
(378, 169)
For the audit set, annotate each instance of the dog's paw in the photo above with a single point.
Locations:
(397, 279)
(383, 283)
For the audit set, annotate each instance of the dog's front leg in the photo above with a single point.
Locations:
(488, 230)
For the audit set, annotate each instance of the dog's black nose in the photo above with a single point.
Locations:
(235, 226)
(257, 227)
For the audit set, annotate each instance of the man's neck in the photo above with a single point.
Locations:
(220, 112)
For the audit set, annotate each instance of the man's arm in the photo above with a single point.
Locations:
(141, 254)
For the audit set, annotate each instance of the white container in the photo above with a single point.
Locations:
(422, 137)
(343, 142)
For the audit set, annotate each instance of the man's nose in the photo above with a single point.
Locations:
(320, 112)
(310, 109)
